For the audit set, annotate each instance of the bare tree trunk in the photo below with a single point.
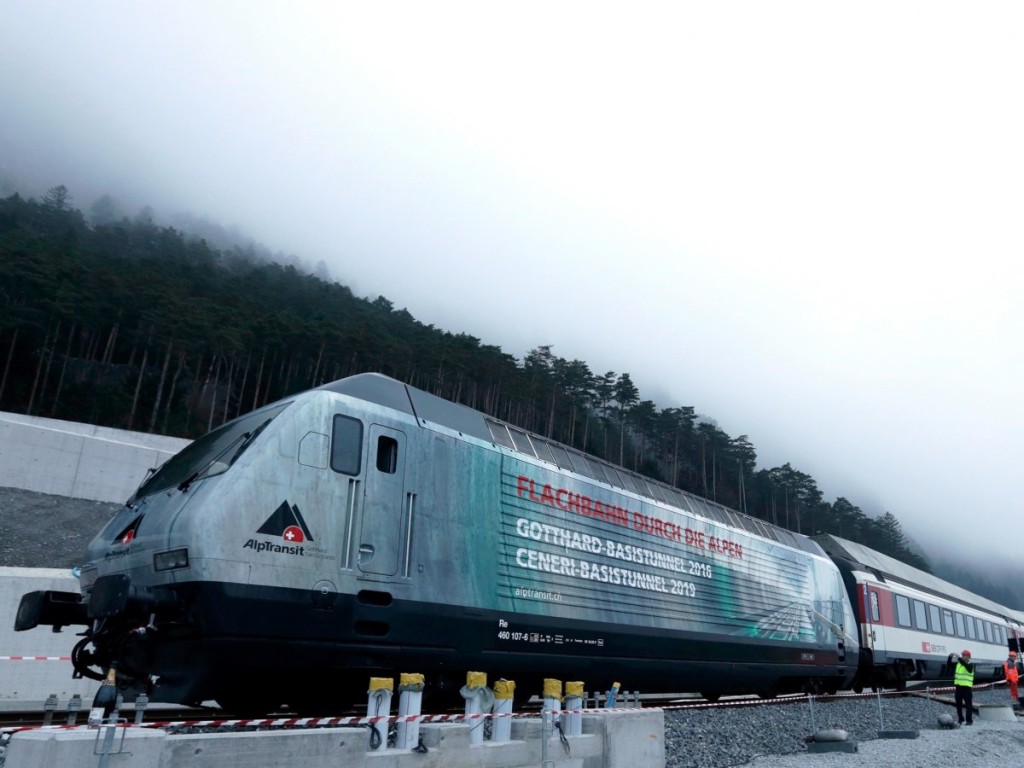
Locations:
(63, 370)
(49, 364)
(245, 376)
(281, 378)
(259, 380)
(704, 466)
(108, 352)
(714, 474)
(182, 356)
(192, 400)
(7, 365)
(160, 387)
(319, 358)
(675, 460)
(39, 373)
(227, 393)
(138, 387)
(213, 393)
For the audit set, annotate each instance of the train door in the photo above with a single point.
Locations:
(380, 537)
(879, 614)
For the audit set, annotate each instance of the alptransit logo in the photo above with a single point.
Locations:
(286, 522)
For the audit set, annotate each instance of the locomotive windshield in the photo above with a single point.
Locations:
(211, 454)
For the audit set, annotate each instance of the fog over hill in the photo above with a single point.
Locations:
(802, 220)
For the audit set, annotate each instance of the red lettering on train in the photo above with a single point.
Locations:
(563, 498)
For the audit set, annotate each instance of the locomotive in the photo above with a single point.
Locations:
(368, 528)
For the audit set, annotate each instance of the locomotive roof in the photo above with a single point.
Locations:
(383, 390)
(890, 567)
(423, 406)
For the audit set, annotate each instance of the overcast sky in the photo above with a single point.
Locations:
(803, 219)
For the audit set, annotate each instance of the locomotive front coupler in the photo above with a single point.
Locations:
(116, 596)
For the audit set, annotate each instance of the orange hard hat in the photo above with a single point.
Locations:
(965, 652)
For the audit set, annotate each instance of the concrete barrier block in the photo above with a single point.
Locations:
(320, 748)
(526, 729)
(832, 746)
(298, 748)
(80, 748)
(634, 738)
(434, 735)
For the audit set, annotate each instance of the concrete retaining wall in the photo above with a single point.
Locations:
(626, 739)
(27, 682)
(78, 460)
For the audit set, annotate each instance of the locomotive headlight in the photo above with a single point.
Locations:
(170, 561)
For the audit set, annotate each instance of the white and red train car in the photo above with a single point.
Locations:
(911, 621)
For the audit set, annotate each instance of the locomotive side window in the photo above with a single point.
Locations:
(499, 433)
(934, 619)
(561, 457)
(678, 499)
(521, 441)
(387, 455)
(653, 490)
(579, 464)
(874, 606)
(947, 621)
(624, 480)
(347, 445)
(971, 633)
(543, 451)
(981, 628)
(960, 631)
(920, 615)
(595, 470)
(903, 610)
(988, 631)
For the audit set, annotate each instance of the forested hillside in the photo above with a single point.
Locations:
(133, 325)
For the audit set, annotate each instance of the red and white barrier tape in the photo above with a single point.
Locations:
(35, 658)
(321, 722)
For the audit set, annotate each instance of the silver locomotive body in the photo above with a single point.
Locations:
(367, 528)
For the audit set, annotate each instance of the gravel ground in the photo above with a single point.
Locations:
(774, 736)
(38, 530)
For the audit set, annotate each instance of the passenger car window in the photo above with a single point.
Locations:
(903, 610)
(947, 621)
(920, 615)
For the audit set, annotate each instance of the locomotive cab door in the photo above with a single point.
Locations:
(379, 534)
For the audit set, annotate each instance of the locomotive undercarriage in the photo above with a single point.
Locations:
(188, 647)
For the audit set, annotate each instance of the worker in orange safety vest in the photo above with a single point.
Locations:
(1012, 674)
